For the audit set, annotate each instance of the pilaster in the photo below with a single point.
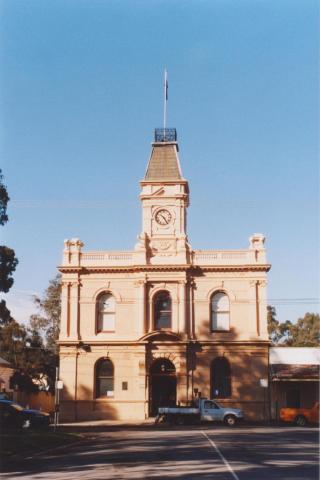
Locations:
(74, 309)
(182, 325)
(141, 296)
(65, 310)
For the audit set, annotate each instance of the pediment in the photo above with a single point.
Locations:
(161, 336)
(158, 192)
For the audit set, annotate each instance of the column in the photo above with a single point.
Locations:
(74, 310)
(182, 308)
(263, 309)
(257, 307)
(191, 327)
(141, 324)
(252, 310)
(64, 324)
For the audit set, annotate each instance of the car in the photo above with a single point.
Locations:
(13, 415)
(300, 416)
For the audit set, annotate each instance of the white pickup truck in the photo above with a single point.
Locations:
(204, 410)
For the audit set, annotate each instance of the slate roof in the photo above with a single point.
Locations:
(164, 163)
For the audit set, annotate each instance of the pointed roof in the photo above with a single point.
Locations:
(164, 163)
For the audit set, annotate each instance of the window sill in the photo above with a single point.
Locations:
(104, 398)
(221, 331)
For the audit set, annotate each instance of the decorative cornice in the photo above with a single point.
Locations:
(109, 343)
(192, 269)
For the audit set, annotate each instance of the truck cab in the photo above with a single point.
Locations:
(211, 411)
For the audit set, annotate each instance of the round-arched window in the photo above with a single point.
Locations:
(106, 313)
(220, 378)
(220, 311)
(162, 311)
(104, 378)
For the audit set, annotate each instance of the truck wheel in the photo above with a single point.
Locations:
(180, 420)
(230, 420)
(301, 421)
(170, 419)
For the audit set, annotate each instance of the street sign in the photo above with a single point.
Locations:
(59, 384)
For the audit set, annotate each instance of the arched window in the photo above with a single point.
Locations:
(220, 378)
(220, 311)
(106, 320)
(104, 378)
(162, 311)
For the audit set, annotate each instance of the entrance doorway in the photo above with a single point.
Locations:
(162, 385)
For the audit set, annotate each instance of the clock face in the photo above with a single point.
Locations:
(163, 217)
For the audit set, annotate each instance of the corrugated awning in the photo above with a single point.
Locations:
(294, 372)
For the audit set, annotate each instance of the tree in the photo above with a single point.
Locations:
(5, 314)
(40, 354)
(4, 199)
(32, 349)
(12, 343)
(33, 362)
(32, 356)
(8, 260)
(303, 333)
(10, 330)
(273, 325)
(47, 320)
(8, 263)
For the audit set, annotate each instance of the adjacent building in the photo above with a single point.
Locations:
(163, 323)
(294, 377)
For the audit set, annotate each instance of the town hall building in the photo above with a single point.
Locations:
(163, 323)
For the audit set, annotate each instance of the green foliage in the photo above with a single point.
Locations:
(273, 325)
(8, 261)
(36, 354)
(32, 349)
(47, 320)
(4, 199)
(304, 333)
(25, 350)
(12, 343)
(5, 314)
(22, 346)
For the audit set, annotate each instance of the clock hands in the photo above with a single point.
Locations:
(163, 217)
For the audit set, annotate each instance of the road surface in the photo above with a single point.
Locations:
(191, 453)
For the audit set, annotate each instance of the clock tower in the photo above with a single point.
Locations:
(165, 198)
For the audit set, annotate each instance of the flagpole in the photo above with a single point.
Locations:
(165, 101)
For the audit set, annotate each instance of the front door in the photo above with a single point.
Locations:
(162, 385)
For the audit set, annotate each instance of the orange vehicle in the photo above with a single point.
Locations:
(300, 416)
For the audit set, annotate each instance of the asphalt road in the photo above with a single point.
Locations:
(197, 453)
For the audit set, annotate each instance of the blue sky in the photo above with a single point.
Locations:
(81, 92)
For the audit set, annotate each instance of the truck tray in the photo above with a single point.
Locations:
(179, 410)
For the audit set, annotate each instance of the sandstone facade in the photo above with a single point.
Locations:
(162, 323)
